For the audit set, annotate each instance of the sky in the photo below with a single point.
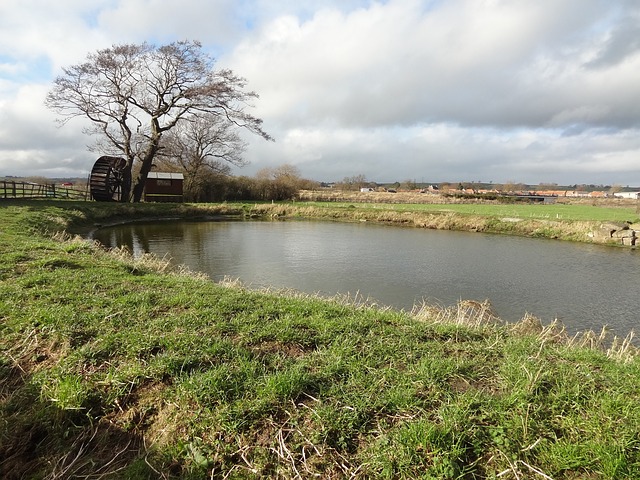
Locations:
(544, 91)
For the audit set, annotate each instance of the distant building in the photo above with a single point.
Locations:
(164, 187)
(632, 195)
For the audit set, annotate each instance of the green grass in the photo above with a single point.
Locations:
(558, 211)
(119, 368)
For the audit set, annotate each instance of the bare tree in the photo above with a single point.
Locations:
(279, 183)
(410, 184)
(134, 94)
(200, 146)
(354, 183)
(615, 189)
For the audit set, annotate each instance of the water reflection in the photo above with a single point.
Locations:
(585, 286)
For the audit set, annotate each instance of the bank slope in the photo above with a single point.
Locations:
(125, 368)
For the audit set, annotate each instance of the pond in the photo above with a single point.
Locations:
(585, 286)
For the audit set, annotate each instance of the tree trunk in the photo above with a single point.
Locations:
(125, 194)
(138, 189)
(147, 162)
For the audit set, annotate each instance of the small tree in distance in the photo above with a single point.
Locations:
(354, 183)
(134, 94)
(280, 183)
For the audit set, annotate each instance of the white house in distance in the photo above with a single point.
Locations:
(631, 195)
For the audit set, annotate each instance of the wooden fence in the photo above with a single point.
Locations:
(27, 190)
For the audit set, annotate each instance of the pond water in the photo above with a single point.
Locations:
(584, 286)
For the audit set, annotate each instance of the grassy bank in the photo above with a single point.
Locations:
(112, 367)
(582, 223)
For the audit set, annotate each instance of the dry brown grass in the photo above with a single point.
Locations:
(465, 312)
(437, 198)
(378, 197)
(481, 314)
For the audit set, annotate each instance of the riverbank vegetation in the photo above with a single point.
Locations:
(115, 367)
(574, 222)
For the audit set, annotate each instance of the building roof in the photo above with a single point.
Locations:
(166, 175)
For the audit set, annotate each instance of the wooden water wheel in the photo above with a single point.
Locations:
(106, 179)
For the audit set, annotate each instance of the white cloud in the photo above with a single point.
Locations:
(162, 21)
(56, 31)
(398, 89)
(467, 63)
(31, 143)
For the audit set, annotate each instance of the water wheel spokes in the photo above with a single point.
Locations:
(106, 179)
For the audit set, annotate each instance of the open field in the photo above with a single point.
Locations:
(114, 367)
(403, 197)
(559, 211)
